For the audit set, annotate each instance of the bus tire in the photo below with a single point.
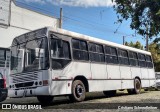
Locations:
(45, 100)
(78, 91)
(109, 93)
(137, 87)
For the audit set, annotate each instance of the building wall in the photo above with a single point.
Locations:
(22, 20)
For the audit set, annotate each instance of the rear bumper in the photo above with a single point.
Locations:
(29, 92)
(3, 94)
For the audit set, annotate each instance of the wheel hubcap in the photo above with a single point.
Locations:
(138, 86)
(79, 90)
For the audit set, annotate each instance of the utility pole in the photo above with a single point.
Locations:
(61, 18)
(125, 37)
(123, 40)
(147, 36)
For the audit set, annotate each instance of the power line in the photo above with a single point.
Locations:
(58, 14)
(95, 22)
(91, 24)
(97, 29)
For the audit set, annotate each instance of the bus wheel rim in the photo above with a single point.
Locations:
(79, 90)
(138, 86)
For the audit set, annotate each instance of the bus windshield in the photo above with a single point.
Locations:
(29, 56)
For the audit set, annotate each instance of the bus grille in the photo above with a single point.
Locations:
(25, 77)
(27, 84)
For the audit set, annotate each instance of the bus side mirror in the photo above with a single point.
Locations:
(60, 43)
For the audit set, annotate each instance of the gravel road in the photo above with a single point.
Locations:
(97, 101)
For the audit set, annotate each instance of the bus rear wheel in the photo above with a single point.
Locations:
(137, 87)
(45, 99)
(78, 91)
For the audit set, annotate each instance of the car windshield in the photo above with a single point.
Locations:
(29, 56)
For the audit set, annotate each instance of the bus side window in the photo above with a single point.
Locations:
(149, 61)
(123, 57)
(133, 58)
(107, 50)
(96, 52)
(60, 54)
(80, 50)
(111, 55)
(142, 60)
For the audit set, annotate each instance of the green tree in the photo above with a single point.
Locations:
(144, 15)
(154, 49)
(137, 45)
(131, 44)
(126, 43)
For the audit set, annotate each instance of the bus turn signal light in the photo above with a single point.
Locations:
(4, 83)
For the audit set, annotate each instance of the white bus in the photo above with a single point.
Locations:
(53, 62)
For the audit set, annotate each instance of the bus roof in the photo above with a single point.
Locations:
(96, 40)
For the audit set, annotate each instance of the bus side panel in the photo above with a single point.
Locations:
(145, 78)
(61, 87)
(136, 72)
(98, 71)
(62, 79)
(144, 73)
(125, 72)
(127, 84)
(104, 85)
(72, 70)
(145, 83)
(151, 73)
(79, 69)
(152, 83)
(113, 72)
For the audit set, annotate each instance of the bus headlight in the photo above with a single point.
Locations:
(36, 83)
(40, 82)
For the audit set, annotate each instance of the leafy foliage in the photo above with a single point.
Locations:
(135, 45)
(155, 51)
(144, 15)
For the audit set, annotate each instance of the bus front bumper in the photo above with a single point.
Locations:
(28, 92)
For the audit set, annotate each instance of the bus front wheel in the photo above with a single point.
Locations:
(78, 91)
(45, 99)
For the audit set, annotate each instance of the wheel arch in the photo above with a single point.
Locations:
(137, 77)
(84, 80)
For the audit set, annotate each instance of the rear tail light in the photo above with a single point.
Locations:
(4, 82)
(45, 82)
